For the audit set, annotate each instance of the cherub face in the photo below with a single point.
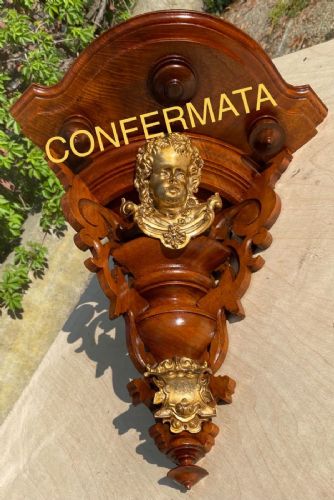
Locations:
(169, 179)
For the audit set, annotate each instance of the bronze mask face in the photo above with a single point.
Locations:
(169, 179)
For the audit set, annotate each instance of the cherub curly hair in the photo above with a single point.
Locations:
(145, 157)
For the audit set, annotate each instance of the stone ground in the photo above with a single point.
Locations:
(23, 343)
(313, 24)
(143, 6)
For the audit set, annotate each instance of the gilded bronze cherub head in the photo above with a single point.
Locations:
(168, 172)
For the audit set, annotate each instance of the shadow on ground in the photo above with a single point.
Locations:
(103, 341)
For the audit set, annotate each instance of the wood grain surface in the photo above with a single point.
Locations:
(72, 434)
(123, 72)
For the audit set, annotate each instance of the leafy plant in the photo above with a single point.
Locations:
(38, 42)
(286, 8)
(29, 262)
(216, 6)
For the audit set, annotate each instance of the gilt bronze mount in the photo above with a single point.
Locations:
(184, 394)
(168, 174)
(182, 207)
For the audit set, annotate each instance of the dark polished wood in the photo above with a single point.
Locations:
(266, 137)
(109, 80)
(173, 81)
(175, 302)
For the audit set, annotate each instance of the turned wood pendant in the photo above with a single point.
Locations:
(168, 134)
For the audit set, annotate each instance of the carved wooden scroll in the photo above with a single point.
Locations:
(169, 133)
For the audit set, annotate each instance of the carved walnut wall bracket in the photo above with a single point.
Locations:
(171, 131)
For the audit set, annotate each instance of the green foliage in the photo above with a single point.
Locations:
(79, 38)
(68, 11)
(11, 218)
(120, 10)
(38, 41)
(216, 6)
(33, 256)
(286, 8)
(52, 193)
(29, 262)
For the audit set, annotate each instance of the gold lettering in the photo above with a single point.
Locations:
(207, 106)
(222, 109)
(263, 89)
(149, 125)
(72, 145)
(175, 119)
(243, 96)
(126, 131)
(48, 152)
(171, 115)
(114, 140)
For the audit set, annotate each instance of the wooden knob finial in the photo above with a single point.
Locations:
(266, 137)
(172, 81)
